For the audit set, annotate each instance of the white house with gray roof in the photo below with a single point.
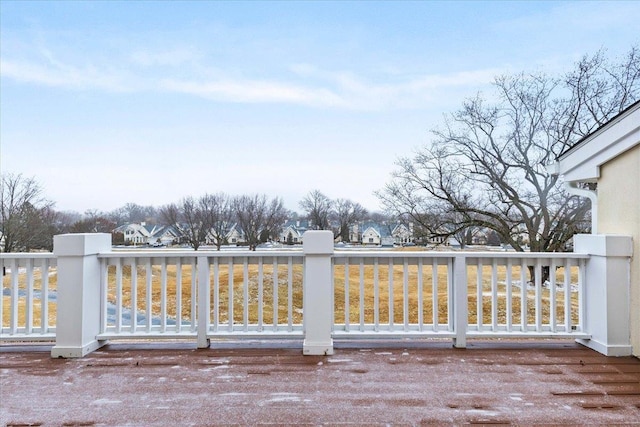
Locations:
(147, 234)
(293, 230)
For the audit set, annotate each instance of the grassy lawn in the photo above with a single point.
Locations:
(22, 300)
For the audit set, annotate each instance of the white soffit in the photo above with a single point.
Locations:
(582, 163)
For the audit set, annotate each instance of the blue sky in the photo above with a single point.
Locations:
(111, 102)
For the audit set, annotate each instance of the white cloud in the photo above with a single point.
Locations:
(67, 76)
(256, 91)
(302, 84)
(166, 57)
(334, 89)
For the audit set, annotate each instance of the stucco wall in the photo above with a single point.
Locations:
(619, 213)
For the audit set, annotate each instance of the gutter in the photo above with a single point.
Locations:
(572, 188)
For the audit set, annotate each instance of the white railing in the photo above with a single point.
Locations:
(550, 308)
(393, 293)
(251, 294)
(156, 294)
(422, 294)
(28, 308)
(317, 294)
(140, 300)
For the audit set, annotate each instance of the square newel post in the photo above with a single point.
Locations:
(78, 294)
(318, 304)
(607, 292)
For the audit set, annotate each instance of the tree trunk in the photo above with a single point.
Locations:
(544, 274)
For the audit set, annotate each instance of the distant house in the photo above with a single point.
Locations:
(454, 243)
(135, 234)
(235, 235)
(386, 234)
(293, 230)
(165, 236)
(402, 234)
(147, 234)
(609, 159)
(372, 235)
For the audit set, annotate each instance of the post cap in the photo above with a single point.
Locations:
(317, 242)
(603, 244)
(81, 244)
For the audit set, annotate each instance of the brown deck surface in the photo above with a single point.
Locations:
(522, 383)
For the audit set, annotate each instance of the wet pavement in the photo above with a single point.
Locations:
(390, 383)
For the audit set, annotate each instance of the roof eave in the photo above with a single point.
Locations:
(582, 161)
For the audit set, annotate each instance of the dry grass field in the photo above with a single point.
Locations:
(37, 302)
(183, 287)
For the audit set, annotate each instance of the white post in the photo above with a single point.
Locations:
(460, 308)
(204, 302)
(318, 306)
(607, 292)
(78, 312)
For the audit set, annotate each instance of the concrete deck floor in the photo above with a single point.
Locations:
(393, 383)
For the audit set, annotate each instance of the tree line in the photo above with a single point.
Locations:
(28, 220)
(259, 217)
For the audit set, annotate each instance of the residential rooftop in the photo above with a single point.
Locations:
(411, 382)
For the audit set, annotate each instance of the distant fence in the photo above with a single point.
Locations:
(316, 294)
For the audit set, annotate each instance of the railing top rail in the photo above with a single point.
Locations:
(27, 255)
(527, 255)
(453, 254)
(197, 254)
(392, 254)
(159, 253)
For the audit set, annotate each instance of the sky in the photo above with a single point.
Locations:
(112, 102)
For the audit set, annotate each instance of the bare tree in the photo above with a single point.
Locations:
(93, 221)
(194, 220)
(438, 224)
(276, 216)
(26, 216)
(346, 214)
(134, 213)
(379, 217)
(258, 218)
(169, 214)
(317, 208)
(599, 90)
(218, 213)
(486, 166)
(191, 219)
(65, 221)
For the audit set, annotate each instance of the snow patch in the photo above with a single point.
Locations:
(482, 412)
(106, 402)
(284, 397)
